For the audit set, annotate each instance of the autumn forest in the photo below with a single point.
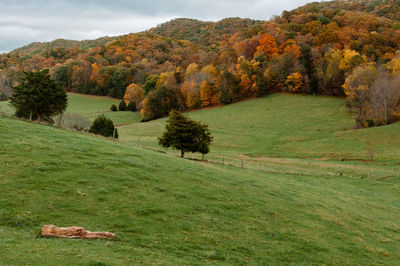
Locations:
(342, 48)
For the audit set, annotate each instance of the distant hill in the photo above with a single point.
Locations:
(206, 33)
(381, 8)
(41, 47)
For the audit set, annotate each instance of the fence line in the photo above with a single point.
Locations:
(299, 170)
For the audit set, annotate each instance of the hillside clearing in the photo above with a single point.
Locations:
(167, 210)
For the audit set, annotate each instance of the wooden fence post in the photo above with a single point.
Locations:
(138, 141)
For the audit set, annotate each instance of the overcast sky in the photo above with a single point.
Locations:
(26, 21)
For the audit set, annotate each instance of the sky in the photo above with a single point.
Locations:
(26, 21)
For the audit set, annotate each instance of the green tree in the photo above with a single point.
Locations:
(122, 106)
(104, 126)
(160, 102)
(132, 107)
(63, 76)
(38, 96)
(150, 84)
(114, 108)
(186, 135)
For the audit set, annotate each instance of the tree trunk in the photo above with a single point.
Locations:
(73, 232)
(182, 153)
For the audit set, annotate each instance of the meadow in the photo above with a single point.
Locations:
(90, 107)
(311, 191)
(167, 210)
(288, 134)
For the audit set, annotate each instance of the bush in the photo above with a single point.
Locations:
(113, 108)
(103, 126)
(3, 97)
(74, 121)
(122, 106)
(132, 107)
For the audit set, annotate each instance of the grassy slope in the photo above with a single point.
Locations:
(167, 210)
(281, 125)
(90, 106)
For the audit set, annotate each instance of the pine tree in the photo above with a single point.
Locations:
(38, 96)
(186, 135)
(104, 126)
(132, 107)
(122, 106)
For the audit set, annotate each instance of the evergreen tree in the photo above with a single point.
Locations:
(132, 107)
(186, 135)
(104, 126)
(122, 106)
(114, 108)
(38, 96)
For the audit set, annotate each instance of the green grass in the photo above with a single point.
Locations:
(89, 104)
(316, 200)
(90, 107)
(6, 108)
(286, 126)
(167, 210)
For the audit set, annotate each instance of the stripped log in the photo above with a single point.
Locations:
(73, 232)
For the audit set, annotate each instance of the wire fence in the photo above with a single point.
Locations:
(291, 166)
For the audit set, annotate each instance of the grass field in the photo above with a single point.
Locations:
(90, 107)
(285, 126)
(167, 210)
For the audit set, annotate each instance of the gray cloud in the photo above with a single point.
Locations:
(22, 22)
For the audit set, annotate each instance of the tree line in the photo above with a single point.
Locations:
(186, 64)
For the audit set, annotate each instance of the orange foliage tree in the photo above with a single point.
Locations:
(267, 47)
(134, 93)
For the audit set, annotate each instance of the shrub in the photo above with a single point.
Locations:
(122, 106)
(132, 107)
(113, 108)
(3, 97)
(103, 126)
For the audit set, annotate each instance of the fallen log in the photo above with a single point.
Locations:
(73, 232)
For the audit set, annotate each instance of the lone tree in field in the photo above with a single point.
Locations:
(186, 135)
(104, 126)
(38, 96)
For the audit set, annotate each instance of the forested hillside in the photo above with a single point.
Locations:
(188, 64)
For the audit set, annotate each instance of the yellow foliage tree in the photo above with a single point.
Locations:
(294, 82)
(245, 85)
(190, 92)
(167, 79)
(95, 72)
(346, 63)
(208, 94)
(394, 64)
(145, 112)
(191, 69)
(357, 87)
(134, 93)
